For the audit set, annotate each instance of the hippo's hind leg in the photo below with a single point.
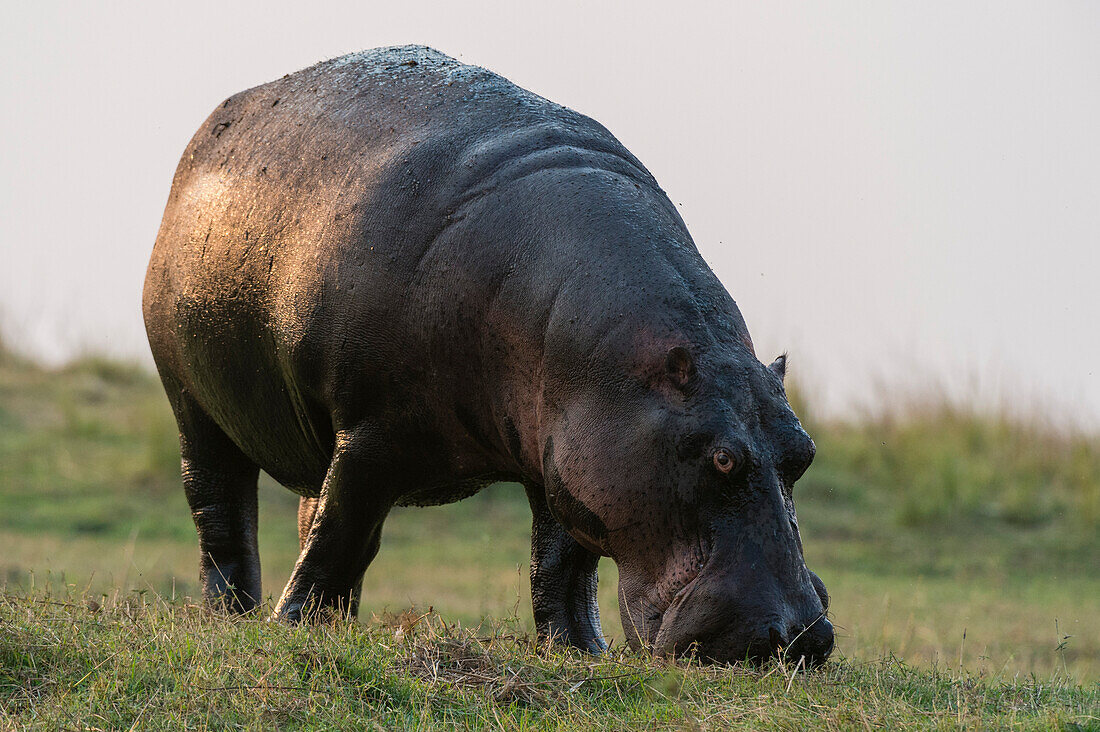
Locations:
(220, 483)
(343, 533)
(563, 582)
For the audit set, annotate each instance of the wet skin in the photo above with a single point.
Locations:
(392, 279)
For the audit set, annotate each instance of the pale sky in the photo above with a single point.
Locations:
(905, 196)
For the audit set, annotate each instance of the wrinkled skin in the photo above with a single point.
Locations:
(392, 279)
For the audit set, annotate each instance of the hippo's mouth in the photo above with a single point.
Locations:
(647, 617)
(669, 626)
(645, 620)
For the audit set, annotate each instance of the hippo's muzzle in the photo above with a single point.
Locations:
(711, 620)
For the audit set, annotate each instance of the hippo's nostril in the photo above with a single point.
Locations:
(776, 638)
(814, 642)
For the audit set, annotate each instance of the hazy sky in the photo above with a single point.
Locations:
(899, 194)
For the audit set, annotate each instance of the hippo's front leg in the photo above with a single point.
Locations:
(563, 582)
(345, 526)
(307, 511)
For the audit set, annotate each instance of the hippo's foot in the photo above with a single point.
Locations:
(563, 583)
(339, 536)
(220, 483)
(318, 607)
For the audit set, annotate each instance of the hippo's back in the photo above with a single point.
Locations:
(288, 277)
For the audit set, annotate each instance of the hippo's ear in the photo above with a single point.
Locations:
(680, 365)
(779, 367)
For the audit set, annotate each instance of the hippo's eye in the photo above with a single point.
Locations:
(724, 461)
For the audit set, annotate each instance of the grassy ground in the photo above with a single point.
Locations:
(951, 541)
(67, 663)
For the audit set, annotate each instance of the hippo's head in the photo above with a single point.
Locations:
(681, 466)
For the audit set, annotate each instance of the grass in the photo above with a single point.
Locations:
(960, 550)
(133, 662)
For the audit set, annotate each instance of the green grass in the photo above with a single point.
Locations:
(960, 550)
(135, 662)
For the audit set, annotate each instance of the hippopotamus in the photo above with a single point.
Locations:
(391, 279)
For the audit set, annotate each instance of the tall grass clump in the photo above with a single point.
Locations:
(935, 463)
